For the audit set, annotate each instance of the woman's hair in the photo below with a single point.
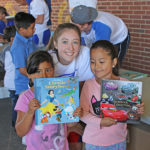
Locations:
(35, 59)
(58, 32)
(9, 32)
(111, 50)
(3, 10)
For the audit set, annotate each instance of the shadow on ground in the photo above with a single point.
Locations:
(8, 137)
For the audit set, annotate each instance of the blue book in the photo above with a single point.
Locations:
(58, 97)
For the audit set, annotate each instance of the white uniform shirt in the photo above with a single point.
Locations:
(80, 66)
(10, 72)
(39, 7)
(118, 27)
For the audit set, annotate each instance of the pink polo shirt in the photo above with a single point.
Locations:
(93, 134)
(46, 137)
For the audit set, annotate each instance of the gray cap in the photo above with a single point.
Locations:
(83, 14)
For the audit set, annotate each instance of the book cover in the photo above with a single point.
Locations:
(119, 100)
(132, 74)
(58, 97)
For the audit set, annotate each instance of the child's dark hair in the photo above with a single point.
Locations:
(35, 59)
(3, 11)
(9, 32)
(112, 51)
(59, 30)
(23, 20)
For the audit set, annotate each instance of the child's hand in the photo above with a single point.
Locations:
(33, 105)
(107, 121)
(140, 108)
(78, 112)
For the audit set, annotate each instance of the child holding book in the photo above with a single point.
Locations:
(102, 133)
(39, 65)
(70, 59)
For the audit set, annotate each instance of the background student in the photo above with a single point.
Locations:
(9, 34)
(3, 21)
(21, 47)
(50, 136)
(98, 25)
(102, 133)
(40, 10)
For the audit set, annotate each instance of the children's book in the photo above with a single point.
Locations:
(132, 74)
(58, 97)
(119, 100)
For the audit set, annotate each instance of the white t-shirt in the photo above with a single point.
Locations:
(10, 72)
(80, 66)
(39, 7)
(118, 27)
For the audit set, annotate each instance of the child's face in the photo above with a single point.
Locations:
(68, 46)
(101, 64)
(84, 27)
(45, 70)
(2, 16)
(29, 31)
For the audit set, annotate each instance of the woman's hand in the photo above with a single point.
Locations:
(107, 121)
(78, 112)
(140, 107)
(33, 105)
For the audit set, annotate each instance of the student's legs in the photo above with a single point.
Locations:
(46, 36)
(122, 48)
(14, 99)
(42, 38)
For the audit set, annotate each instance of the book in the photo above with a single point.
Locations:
(58, 97)
(119, 100)
(132, 74)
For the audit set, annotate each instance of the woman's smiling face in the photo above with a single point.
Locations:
(68, 46)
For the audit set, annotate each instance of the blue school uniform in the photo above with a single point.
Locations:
(99, 31)
(20, 50)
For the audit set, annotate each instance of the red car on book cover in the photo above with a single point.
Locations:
(109, 110)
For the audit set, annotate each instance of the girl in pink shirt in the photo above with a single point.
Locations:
(102, 133)
(49, 136)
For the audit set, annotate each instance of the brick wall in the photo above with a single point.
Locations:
(135, 13)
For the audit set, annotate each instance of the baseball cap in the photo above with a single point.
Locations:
(82, 14)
